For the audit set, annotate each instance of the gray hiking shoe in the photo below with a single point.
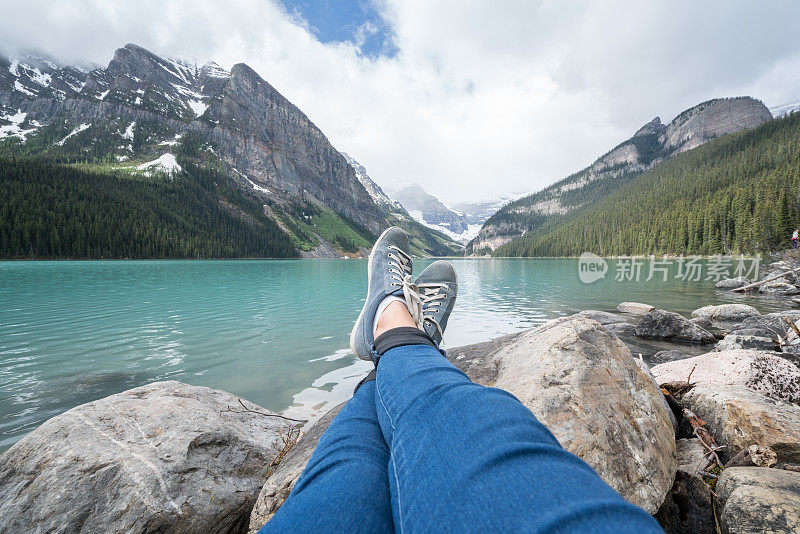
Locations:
(437, 286)
(388, 273)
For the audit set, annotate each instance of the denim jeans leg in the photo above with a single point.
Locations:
(344, 487)
(469, 458)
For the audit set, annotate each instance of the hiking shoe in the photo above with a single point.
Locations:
(388, 273)
(437, 286)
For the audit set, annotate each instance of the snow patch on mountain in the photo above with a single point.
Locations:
(129, 131)
(166, 163)
(784, 109)
(198, 107)
(76, 131)
(215, 71)
(21, 88)
(462, 237)
(14, 129)
(171, 142)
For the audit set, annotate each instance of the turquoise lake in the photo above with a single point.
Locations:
(275, 332)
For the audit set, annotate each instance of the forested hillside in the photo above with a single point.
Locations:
(738, 193)
(263, 165)
(57, 211)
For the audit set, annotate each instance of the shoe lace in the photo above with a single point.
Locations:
(431, 299)
(399, 263)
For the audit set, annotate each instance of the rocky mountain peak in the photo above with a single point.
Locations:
(711, 119)
(653, 127)
(651, 144)
(429, 210)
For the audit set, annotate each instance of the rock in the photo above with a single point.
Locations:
(165, 457)
(669, 356)
(763, 331)
(636, 308)
(736, 341)
(757, 499)
(796, 300)
(739, 417)
(726, 312)
(601, 317)
(762, 372)
(732, 283)
(778, 288)
(621, 329)
(762, 456)
(281, 481)
(754, 456)
(584, 385)
(769, 325)
(794, 315)
(702, 322)
(660, 324)
(690, 453)
(688, 507)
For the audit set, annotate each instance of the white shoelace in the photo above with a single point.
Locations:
(422, 299)
(400, 272)
(431, 298)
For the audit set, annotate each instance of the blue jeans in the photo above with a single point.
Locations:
(424, 449)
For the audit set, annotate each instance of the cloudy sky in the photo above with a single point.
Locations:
(473, 100)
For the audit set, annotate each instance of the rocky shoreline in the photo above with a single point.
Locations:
(707, 437)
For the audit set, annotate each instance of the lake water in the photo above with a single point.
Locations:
(274, 332)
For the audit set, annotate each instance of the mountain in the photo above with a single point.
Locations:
(735, 194)
(477, 212)
(649, 146)
(423, 237)
(428, 209)
(134, 116)
(784, 109)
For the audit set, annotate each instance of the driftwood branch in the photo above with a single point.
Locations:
(250, 410)
(764, 281)
(788, 321)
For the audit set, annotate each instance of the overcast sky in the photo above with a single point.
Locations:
(473, 100)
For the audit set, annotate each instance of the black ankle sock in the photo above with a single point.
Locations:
(398, 337)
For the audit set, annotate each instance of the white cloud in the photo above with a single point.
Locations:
(482, 99)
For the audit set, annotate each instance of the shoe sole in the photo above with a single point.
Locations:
(369, 290)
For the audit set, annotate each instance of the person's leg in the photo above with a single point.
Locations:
(344, 487)
(470, 458)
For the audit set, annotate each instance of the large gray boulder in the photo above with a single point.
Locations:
(753, 500)
(581, 382)
(165, 457)
(660, 324)
(732, 283)
(738, 417)
(726, 312)
(741, 341)
(584, 385)
(762, 372)
(778, 288)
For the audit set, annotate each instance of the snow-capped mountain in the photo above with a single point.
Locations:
(138, 106)
(784, 109)
(136, 115)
